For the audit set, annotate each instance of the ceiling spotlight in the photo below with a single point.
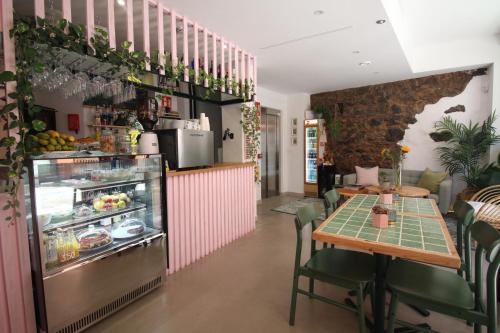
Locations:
(380, 21)
(121, 2)
(376, 73)
(365, 63)
(318, 12)
(355, 52)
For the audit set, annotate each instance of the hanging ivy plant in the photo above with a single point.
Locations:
(33, 38)
(250, 124)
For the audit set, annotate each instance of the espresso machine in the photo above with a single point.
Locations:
(148, 117)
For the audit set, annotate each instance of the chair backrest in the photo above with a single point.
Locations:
(330, 201)
(465, 217)
(486, 193)
(464, 213)
(488, 248)
(304, 216)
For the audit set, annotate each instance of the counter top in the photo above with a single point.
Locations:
(216, 167)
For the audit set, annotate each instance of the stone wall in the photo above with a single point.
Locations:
(377, 116)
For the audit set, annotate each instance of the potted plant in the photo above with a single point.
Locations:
(385, 197)
(380, 217)
(464, 149)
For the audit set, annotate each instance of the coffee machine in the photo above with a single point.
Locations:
(148, 117)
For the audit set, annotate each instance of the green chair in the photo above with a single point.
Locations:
(445, 292)
(330, 202)
(347, 269)
(465, 217)
(332, 198)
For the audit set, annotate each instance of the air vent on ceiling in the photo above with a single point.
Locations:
(295, 40)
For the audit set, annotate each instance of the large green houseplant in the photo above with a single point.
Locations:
(465, 147)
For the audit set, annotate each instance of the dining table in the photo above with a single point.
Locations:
(418, 233)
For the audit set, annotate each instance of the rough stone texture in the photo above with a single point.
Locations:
(376, 116)
(457, 108)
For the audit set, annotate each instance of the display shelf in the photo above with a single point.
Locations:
(109, 126)
(80, 222)
(93, 185)
(105, 251)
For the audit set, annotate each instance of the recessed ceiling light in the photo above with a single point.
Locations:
(355, 52)
(380, 21)
(121, 2)
(319, 12)
(376, 73)
(365, 63)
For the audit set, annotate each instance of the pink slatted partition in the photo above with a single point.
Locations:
(207, 211)
(17, 313)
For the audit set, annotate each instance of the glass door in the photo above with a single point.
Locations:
(311, 151)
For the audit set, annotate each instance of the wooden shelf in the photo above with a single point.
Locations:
(109, 126)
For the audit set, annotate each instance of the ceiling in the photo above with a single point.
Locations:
(300, 52)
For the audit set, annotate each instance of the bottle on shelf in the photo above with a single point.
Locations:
(51, 250)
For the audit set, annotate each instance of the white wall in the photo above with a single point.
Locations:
(232, 150)
(477, 101)
(294, 154)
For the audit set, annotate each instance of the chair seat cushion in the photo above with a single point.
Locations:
(342, 264)
(430, 283)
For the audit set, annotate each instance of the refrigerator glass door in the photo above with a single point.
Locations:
(311, 149)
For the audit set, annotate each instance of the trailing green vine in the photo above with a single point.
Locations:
(37, 44)
(250, 124)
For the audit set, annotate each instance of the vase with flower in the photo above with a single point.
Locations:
(396, 155)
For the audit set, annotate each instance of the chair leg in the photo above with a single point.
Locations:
(372, 296)
(311, 286)
(392, 312)
(477, 328)
(361, 310)
(293, 304)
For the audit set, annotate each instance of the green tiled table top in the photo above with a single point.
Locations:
(419, 232)
(408, 231)
(416, 206)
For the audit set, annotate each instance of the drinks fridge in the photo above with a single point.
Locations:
(314, 145)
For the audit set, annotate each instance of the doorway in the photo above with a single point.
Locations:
(270, 147)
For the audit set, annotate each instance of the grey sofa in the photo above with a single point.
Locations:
(411, 178)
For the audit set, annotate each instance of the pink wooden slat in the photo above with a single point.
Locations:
(161, 39)
(186, 48)
(243, 67)
(207, 211)
(237, 66)
(145, 30)
(39, 8)
(205, 54)
(230, 64)
(255, 73)
(173, 37)
(214, 55)
(111, 23)
(66, 9)
(222, 61)
(89, 18)
(130, 23)
(196, 52)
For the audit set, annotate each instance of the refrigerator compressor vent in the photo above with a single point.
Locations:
(112, 307)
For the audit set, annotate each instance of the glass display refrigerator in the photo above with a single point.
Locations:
(314, 142)
(97, 234)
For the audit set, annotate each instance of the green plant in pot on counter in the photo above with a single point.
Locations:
(465, 147)
(332, 124)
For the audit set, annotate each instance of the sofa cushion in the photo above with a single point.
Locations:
(367, 176)
(431, 180)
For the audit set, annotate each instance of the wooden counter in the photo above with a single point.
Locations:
(216, 167)
(208, 209)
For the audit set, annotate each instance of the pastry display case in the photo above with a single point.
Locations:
(97, 234)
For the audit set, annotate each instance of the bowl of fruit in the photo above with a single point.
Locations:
(108, 202)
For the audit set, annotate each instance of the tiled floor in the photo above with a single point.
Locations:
(245, 287)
